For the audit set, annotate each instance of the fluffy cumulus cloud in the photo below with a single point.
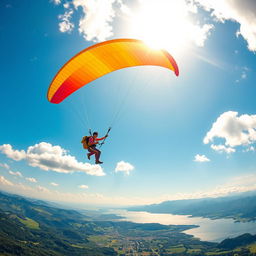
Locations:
(15, 173)
(66, 25)
(200, 34)
(235, 130)
(146, 20)
(48, 157)
(201, 158)
(124, 167)
(33, 180)
(242, 12)
(96, 24)
(13, 154)
(223, 149)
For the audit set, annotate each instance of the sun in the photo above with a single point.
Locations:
(162, 24)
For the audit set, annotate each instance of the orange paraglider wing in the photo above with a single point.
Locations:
(103, 58)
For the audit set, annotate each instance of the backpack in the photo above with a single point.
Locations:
(85, 141)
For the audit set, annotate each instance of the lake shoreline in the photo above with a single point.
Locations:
(203, 228)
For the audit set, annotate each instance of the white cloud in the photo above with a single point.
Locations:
(96, 24)
(200, 34)
(223, 148)
(48, 157)
(57, 2)
(97, 18)
(83, 186)
(242, 12)
(54, 184)
(13, 154)
(15, 173)
(66, 5)
(66, 25)
(123, 8)
(235, 130)
(124, 167)
(147, 20)
(33, 180)
(5, 182)
(201, 158)
(6, 166)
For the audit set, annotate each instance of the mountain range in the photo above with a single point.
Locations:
(241, 207)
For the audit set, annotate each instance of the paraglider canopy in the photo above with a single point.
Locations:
(103, 58)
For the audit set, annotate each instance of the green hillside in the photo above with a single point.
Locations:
(29, 227)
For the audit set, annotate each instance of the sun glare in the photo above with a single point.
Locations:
(162, 24)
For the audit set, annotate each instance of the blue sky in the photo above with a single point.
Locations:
(176, 137)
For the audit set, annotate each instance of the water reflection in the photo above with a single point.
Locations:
(208, 230)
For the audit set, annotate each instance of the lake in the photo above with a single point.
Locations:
(208, 230)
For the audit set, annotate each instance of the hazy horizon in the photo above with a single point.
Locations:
(191, 136)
